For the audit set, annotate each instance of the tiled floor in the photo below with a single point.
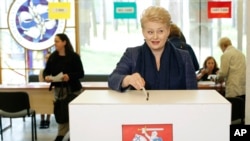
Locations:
(21, 130)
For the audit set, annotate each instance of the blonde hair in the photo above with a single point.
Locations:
(175, 31)
(156, 14)
(225, 42)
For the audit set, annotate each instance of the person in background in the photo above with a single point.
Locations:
(209, 67)
(177, 38)
(232, 69)
(64, 60)
(156, 64)
(45, 119)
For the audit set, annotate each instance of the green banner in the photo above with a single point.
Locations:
(125, 10)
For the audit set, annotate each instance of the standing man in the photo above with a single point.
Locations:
(232, 69)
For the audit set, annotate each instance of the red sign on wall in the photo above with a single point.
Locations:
(219, 9)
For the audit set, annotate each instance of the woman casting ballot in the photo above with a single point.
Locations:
(156, 64)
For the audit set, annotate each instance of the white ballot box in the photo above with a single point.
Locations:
(168, 115)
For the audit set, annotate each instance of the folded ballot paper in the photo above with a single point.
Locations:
(57, 78)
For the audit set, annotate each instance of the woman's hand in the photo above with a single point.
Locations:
(134, 80)
(65, 77)
(204, 71)
(48, 79)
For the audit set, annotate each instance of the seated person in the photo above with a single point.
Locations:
(209, 67)
(156, 64)
(177, 38)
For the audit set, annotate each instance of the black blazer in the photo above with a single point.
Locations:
(69, 64)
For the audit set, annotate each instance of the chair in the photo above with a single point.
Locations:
(238, 108)
(33, 78)
(17, 105)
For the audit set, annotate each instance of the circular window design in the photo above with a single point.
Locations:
(30, 25)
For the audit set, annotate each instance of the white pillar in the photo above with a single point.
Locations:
(240, 23)
(247, 110)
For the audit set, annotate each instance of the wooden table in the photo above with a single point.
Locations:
(208, 85)
(41, 99)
